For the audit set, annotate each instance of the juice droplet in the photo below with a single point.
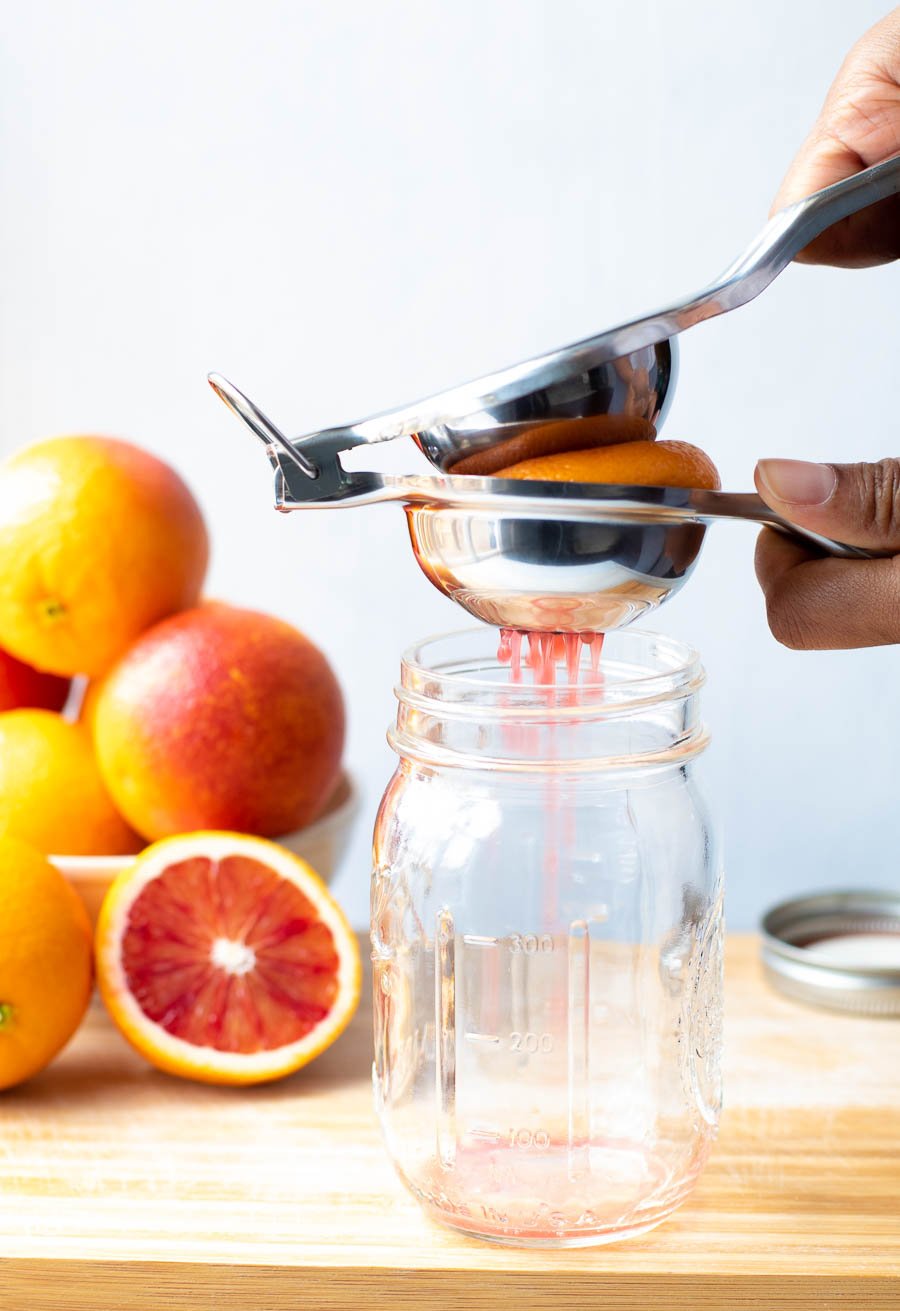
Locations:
(515, 650)
(596, 646)
(547, 668)
(573, 657)
(531, 657)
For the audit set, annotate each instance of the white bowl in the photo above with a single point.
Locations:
(322, 844)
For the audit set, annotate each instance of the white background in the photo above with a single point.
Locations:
(346, 205)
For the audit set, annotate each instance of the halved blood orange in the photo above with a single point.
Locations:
(639, 463)
(224, 958)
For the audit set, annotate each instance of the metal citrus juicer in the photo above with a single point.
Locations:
(556, 556)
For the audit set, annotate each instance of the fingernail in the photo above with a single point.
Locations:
(797, 481)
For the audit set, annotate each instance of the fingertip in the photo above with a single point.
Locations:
(799, 484)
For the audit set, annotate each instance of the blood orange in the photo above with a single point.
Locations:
(640, 463)
(224, 958)
(21, 685)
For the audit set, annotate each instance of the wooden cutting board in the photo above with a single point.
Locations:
(124, 1188)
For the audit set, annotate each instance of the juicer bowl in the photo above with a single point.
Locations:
(638, 386)
(551, 573)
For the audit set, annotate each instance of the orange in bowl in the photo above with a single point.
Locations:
(639, 464)
(223, 958)
(219, 718)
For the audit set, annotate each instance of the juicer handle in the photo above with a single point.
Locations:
(787, 232)
(791, 230)
(749, 506)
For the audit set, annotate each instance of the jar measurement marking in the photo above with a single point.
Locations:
(529, 1139)
(479, 940)
(485, 1134)
(531, 944)
(534, 1140)
(533, 1043)
(578, 1045)
(445, 1038)
(486, 1039)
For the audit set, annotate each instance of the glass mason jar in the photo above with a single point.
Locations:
(547, 941)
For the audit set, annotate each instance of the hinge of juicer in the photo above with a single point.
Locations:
(308, 471)
(333, 485)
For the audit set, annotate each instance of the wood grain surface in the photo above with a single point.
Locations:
(124, 1188)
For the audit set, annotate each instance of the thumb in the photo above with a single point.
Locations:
(854, 503)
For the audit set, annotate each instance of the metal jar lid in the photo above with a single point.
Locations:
(840, 950)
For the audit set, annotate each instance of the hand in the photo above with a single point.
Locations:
(828, 604)
(822, 604)
(859, 125)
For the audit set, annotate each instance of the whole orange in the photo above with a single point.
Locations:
(219, 718)
(45, 961)
(98, 540)
(641, 464)
(51, 792)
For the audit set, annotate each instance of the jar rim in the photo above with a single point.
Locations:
(434, 669)
(458, 706)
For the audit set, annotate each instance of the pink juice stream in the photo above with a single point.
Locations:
(543, 653)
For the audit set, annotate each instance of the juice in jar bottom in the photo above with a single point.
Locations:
(489, 1195)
